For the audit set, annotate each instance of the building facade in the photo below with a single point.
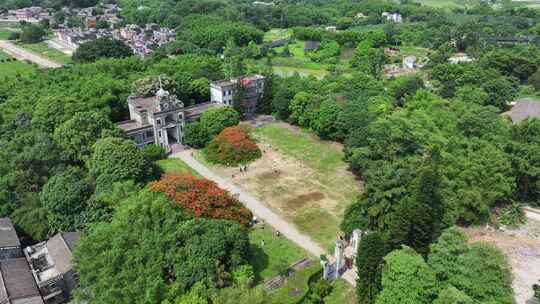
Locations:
(223, 91)
(155, 120)
(50, 262)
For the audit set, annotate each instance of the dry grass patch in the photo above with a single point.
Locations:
(305, 180)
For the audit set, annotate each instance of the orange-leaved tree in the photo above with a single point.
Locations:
(201, 196)
(233, 146)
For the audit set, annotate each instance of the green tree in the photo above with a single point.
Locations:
(406, 279)
(115, 159)
(217, 119)
(444, 254)
(32, 33)
(368, 58)
(302, 108)
(326, 118)
(417, 221)
(451, 295)
(196, 135)
(405, 86)
(101, 48)
(77, 135)
(118, 262)
(369, 264)
(484, 275)
(64, 196)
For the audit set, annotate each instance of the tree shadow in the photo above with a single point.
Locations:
(259, 260)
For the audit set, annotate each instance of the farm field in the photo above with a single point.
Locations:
(299, 176)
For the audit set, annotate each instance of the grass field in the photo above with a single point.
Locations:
(277, 253)
(276, 34)
(295, 287)
(43, 49)
(175, 165)
(300, 177)
(14, 68)
(342, 293)
(448, 4)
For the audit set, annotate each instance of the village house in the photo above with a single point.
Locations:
(141, 40)
(410, 63)
(17, 286)
(393, 17)
(51, 266)
(223, 92)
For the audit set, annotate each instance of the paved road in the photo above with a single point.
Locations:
(23, 54)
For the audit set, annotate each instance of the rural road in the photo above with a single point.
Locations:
(23, 54)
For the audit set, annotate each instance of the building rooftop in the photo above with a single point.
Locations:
(523, 109)
(144, 103)
(8, 236)
(230, 82)
(52, 258)
(129, 125)
(17, 283)
(193, 112)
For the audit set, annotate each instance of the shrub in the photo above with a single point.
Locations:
(201, 196)
(233, 146)
(513, 215)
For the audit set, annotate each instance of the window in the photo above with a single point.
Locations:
(180, 116)
(159, 123)
(159, 133)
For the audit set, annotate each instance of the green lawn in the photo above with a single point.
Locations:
(448, 4)
(342, 293)
(13, 68)
(295, 287)
(43, 49)
(303, 144)
(330, 177)
(276, 254)
(276, 34)
(175, 165)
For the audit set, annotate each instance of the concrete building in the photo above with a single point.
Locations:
(410, 63)
(223, 92)
(50, 262)
(17, 286)
(393, 17)
(155, 120)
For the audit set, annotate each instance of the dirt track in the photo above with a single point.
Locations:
(23, 54)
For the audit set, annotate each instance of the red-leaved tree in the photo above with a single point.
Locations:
(202, 196)
(233, 146)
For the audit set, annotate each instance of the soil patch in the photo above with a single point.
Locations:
(302, 199)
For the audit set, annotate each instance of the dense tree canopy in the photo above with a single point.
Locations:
(101, 48)
(201, 196)
(151, 252)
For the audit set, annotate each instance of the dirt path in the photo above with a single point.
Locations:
(23, 54)
(260, 210)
